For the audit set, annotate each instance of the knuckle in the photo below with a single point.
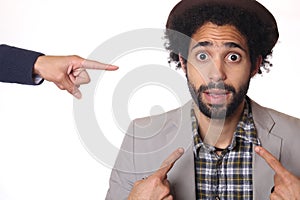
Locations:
(165, 193)
(72, 89)
(60, 86)
(85, 79)
(273, 162)
(60, 77)
(155, 180)
(166, 190)
(288, 182)
(75, 59)
(88, 79)
(278, 190)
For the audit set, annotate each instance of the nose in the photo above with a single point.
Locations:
(216, 72)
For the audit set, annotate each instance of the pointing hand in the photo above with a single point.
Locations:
(287, 186)
(68, 72)
(156, 186)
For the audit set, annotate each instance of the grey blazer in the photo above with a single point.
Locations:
(150, 140)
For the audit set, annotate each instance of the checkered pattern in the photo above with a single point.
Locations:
(226, 176)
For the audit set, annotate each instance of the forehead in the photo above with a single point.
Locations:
(219, 35)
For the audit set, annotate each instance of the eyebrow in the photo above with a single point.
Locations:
(226, 44)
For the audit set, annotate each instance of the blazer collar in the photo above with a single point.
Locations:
(182, 176)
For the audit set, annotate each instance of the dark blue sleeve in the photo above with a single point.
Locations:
(16, 64)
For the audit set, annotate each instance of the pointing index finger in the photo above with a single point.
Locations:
(168, 163)
(91, 64)
(270, 159)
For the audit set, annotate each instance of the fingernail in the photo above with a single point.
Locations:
(77, 95)
(181, 150)
(257, 149)
(112, 67)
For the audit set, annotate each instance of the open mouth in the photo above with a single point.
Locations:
(216, 96)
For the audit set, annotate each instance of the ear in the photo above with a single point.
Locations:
(182, 63)
(257, 66)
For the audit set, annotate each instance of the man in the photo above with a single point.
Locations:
(28, 67)
(234, 148)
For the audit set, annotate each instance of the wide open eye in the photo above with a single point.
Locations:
(234, 57)
(202, 56)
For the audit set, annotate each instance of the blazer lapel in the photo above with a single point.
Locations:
(263, 175)
(182, 175)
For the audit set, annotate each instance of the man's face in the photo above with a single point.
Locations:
(218, 69)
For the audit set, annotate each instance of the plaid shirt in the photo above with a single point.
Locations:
(226, 176)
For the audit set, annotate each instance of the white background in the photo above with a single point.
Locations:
(41, 155)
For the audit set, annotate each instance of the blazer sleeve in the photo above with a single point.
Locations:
(16, 65)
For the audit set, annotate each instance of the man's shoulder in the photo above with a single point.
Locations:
(276, 115)
(174, 114)
(154, 132)
(284, 126)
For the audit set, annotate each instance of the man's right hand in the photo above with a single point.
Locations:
(156, 186)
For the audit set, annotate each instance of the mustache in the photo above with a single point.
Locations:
(219, 85)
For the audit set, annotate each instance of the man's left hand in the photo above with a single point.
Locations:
(287, 186)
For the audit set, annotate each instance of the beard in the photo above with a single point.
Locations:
(217, 111)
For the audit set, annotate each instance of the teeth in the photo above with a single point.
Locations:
(216, 95)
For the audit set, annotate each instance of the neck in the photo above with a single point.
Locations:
(218, 132)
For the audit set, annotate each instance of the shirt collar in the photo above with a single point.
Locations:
(245, 130)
